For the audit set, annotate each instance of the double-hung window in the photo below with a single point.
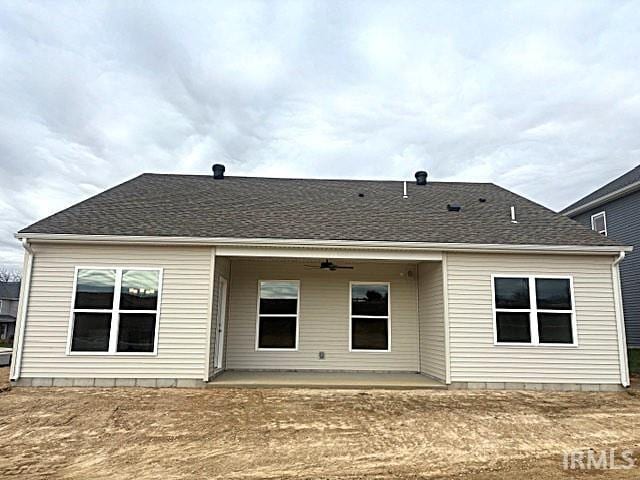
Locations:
(534, 310)
(370, 319)
(599, 223)
(278, 310)
(115, 311)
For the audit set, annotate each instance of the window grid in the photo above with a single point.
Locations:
(533, 311)
(115, 312)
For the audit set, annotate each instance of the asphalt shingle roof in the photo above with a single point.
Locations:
(10, 290)
(242, 207)
(625, 180)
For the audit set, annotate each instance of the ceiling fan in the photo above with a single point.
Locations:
(329, 265)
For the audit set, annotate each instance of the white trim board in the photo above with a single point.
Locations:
(210, 313)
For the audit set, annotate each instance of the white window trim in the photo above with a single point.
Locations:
(115, 313)
(533, 312)
(604, 217)
(351, 316)
(290, 315)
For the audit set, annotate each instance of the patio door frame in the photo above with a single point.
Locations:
(222, 321)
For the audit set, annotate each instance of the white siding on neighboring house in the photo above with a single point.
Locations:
(184, 312)
(324, 317)
(475, 358)
(431, 314)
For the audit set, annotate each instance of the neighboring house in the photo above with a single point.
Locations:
(9, 296)
(614, 211)
(172, 279)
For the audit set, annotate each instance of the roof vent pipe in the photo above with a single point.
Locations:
(421, 177)
(218, 171)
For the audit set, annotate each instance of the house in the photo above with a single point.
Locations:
(612, 211)
(185, 279)
(9, 295)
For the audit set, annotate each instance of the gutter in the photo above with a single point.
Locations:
(305, 243)
(621, 192)
(18, 344)
(619, 309)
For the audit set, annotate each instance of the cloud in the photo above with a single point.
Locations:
(540, 97)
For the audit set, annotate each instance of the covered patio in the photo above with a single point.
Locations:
(333, 319)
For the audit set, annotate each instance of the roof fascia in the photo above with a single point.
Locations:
(621, 192)
(335, 244)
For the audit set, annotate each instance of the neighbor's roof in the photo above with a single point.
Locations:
(9, 290)
(630, 178)
(241, 207)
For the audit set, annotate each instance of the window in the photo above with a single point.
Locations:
(599, 223)
(115, 310)
(277, 325)
(370, 319)
(534, 310)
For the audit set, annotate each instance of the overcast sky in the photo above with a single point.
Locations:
(540, 97)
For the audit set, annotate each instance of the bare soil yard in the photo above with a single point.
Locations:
(305, 433)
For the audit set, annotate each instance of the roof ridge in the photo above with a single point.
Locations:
(247, 177)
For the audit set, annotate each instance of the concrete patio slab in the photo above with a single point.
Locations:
(269, 379)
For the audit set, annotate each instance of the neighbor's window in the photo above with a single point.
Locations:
(599, 223)
(115, 310)
(277, 315)
(534, 310)
(370, 318)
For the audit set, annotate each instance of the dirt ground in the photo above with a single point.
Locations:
(304, 433)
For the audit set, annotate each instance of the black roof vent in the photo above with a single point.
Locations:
(454, 207)
(421, 177)
(218, 171)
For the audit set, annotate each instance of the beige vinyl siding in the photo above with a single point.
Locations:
(475, 358)
(324, 317)
(431, 316)
(183, 312)
(222, 268)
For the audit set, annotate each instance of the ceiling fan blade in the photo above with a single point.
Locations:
(343, 266)
(312, 266)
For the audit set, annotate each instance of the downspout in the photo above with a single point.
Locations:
(622, 343)
(16, 356)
